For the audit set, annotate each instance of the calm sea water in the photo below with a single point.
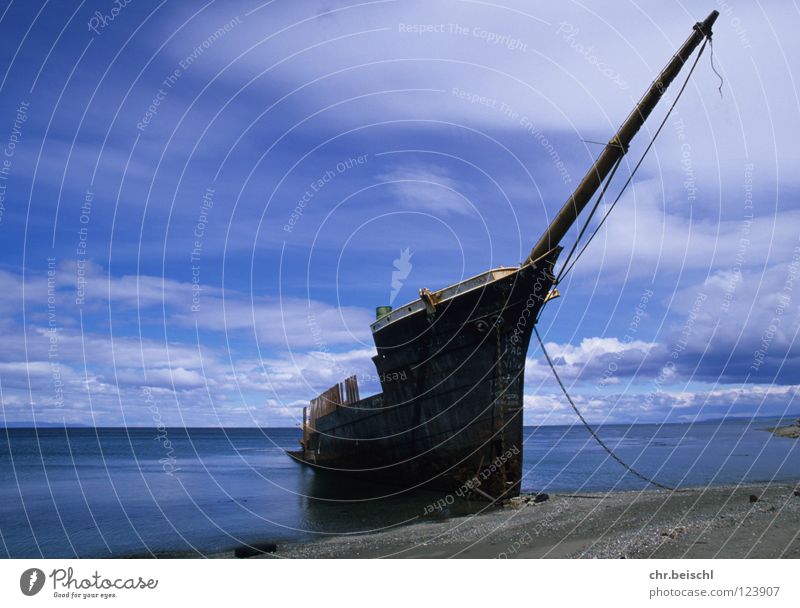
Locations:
(110, 492)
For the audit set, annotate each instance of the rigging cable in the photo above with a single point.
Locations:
(590, 429)
(589, 219)
(565, 269)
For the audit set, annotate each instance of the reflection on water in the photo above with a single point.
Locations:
(339, 505)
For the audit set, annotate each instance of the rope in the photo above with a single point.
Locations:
(714, 69)
(589, 219)
(565, 270)
(591, 430)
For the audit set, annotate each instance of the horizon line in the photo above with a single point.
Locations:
(58, 425)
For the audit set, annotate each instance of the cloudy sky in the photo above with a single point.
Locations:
(205, 202)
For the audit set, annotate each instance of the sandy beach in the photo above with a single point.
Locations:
(749, 521)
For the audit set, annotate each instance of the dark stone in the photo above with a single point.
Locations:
(753, 498)
(541, 497)
(255, 549)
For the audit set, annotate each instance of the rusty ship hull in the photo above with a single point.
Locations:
(452, 369)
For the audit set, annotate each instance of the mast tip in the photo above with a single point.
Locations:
(709, 22)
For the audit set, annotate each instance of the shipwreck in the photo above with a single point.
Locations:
(451, 363)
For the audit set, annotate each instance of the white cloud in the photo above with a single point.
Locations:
(644, 236)
(596, 360)
(428, 188)
(553, 79)
(663, 406)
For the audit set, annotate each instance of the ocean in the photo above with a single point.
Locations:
(116, 492)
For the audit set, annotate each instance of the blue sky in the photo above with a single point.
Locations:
(204, 202)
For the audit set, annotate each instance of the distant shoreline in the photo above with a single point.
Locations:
(790, 431)
(747, 521)
(60, 425)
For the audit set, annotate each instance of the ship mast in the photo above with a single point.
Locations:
(617, 147)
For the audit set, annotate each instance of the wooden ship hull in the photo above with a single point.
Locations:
(452, 363)
(452, 368)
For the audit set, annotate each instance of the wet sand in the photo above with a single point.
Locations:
(748, 521)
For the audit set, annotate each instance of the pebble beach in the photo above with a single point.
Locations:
(743, 521)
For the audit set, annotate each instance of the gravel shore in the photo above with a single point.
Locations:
(748, 521)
